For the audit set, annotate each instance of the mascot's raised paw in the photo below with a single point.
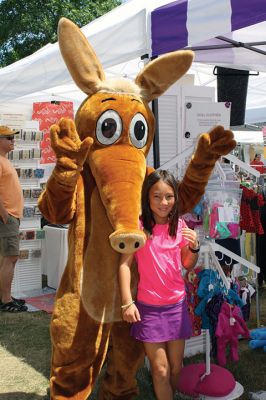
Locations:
(218, 142)
(221, 141)
(70, 151)
(211, 146)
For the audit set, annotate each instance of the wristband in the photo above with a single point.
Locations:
(194, 250)
(127, 305)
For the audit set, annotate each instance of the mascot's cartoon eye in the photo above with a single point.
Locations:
(109, 127)
(138, 131)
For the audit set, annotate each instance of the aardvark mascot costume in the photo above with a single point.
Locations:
(96, 188)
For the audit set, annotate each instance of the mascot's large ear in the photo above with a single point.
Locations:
(157, 76)
(79, 56)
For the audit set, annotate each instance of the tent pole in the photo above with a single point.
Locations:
(156, 142)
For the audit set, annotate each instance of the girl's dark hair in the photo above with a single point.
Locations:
(146, 215)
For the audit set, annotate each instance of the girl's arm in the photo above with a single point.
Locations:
(124, 278)
(129, 311)
(190, 253)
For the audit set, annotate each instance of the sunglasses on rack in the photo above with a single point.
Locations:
(8, 137)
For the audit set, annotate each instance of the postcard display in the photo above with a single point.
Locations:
(32, 176)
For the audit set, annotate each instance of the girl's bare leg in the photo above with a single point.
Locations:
(160, 370)
(175, 355)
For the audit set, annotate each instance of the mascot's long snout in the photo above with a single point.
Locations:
(119, 172)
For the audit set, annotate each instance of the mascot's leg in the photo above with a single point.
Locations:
(125, 356)
(79, 349)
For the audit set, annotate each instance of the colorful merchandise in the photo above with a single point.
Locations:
(258, 338)
(230, 325)
(251, 202)
(192, 282)
(221, 213)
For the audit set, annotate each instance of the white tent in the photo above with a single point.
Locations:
(125, 34)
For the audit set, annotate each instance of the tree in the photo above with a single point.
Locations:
(28, 25)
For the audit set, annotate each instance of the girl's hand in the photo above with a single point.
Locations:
(131, 314)
(191, 237)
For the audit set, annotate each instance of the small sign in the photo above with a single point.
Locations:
(201, 117)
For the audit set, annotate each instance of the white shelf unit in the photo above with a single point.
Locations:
(28, 271)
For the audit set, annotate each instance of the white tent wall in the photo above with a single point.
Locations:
(124, 34)
(203, 76)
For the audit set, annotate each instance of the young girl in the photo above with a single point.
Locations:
(160, 317)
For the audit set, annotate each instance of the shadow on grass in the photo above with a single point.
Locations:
(22, 396)
(26, 336)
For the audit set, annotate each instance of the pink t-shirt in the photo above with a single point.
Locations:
(160, 268)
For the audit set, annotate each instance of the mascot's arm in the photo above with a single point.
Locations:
(210, 147)
(58, 202)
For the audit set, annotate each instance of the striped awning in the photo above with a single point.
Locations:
(188, 23)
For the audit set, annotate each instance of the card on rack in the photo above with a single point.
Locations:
(28, 212)
(40, 234)
(26, 155)
(36, 253)
(24, 254)
(27, 136)
(39, 173)
(30, 173)
(26, 193)
(38, 135)
(15, 154)
(36, 153)
(35, 193)
(37, 211)
(30, 235)
(22, 235)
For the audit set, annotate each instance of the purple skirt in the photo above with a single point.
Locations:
(162, 323)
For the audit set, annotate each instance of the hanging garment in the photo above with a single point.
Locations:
(260, 248)
(210, 285)
(192, 282)
(230, 325)
(213, 308)
(245, 296)
(250, 205)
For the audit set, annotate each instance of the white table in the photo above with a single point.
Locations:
(54, 254)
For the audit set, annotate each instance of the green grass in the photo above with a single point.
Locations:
(25, 359)
(25, 355)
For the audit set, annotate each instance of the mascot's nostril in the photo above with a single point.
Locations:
(136, 245)
(122, 245)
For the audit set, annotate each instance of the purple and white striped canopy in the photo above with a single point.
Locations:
(185, 23)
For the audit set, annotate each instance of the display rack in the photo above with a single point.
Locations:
(26, 159)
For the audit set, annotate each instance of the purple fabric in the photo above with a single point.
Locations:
(169, 31)
(162, 323)
(247, 12)
(168, 23)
